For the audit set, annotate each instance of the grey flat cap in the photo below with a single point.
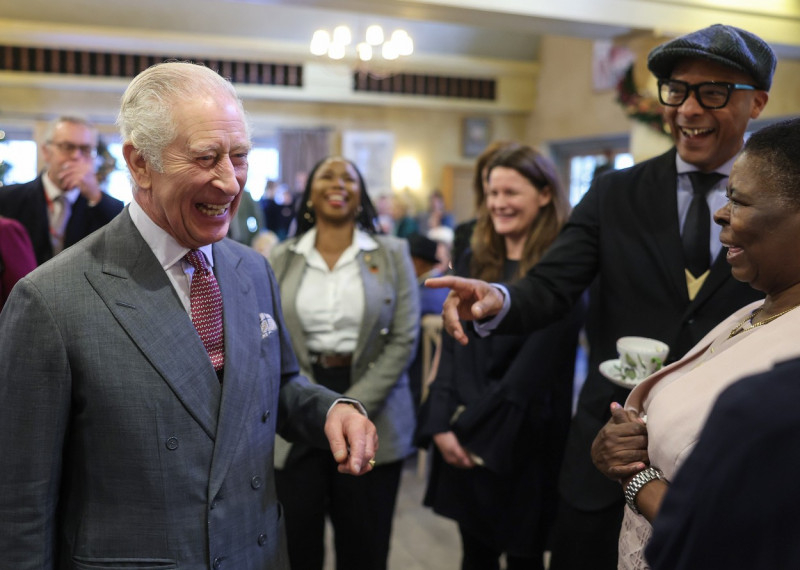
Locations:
(722, 44)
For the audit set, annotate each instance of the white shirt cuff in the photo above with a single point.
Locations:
(355, 403)
(485, 328)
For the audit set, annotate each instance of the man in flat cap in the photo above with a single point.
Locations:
(644, 241)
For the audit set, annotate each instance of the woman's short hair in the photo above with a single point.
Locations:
(367, 218)
(777, 148)
(146, 116)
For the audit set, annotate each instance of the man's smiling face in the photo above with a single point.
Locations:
(708, 138)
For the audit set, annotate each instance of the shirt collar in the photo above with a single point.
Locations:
(167, 250)
(53, 192)
(362, 241)
(684, 167)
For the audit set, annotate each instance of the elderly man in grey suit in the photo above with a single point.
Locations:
(137, 424)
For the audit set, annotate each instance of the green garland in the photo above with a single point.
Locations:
(640, 107)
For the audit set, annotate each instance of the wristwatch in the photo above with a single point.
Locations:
(639, 480)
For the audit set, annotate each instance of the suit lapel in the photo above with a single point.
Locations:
(139, 294)
(242, 356)
(373, 275)
(661, 196)
(289, 276)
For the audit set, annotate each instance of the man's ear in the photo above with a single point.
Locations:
(760, 99)
(139, 168)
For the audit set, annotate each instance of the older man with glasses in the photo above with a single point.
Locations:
(65, 203)
(643, 239)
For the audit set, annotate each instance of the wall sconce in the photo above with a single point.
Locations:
(406, 174)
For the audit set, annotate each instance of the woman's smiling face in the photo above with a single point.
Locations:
(335, 191)
(760, 228)
(513, 202)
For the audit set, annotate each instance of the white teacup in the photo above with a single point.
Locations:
(639, 357)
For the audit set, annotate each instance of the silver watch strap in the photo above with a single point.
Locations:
(635, 485)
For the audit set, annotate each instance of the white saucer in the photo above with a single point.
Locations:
(610, 369)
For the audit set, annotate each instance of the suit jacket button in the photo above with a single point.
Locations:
(172, 443)
(217, 563)
(262, 539)
(265, 417)
(255, 482)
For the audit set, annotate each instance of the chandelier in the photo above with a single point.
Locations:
(375, 44)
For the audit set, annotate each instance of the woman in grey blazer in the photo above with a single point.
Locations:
(349, 298)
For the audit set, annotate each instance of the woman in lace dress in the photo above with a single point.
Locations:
(645, 443)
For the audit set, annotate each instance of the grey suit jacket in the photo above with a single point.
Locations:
(120, 447)
(386, 342)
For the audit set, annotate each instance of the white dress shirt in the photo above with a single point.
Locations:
(330, 302)
(169, 253)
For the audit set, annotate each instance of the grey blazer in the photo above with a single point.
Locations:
(386, 343)
(119, 446)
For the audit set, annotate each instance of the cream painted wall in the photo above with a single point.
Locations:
(567, 107)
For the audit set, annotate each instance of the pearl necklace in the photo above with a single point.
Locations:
(740, 328)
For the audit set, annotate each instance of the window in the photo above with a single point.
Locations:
(17, 158)
(579, 162)
(583, 169)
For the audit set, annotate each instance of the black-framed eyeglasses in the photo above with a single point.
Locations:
(69, 148)
(709, 94)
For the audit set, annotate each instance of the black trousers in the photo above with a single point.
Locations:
(477, 555)
(586, 540)
(360, 508)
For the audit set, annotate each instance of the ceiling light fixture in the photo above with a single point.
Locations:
(335, 45)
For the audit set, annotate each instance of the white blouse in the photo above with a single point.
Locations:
(330, 302)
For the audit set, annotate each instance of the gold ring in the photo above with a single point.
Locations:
(372, 463)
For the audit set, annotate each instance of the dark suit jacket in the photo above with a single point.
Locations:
(27, 204)
(734, 502)
(120, 447)
(514, 393)
(623, 239)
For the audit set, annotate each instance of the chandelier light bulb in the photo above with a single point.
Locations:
(403, 42)
(389, 51)
(336, 51)
(342, 35)
(320, 42)
(374, 35)
(364, 51)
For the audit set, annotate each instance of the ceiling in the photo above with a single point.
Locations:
(505, 30)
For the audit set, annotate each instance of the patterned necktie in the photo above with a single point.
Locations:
(697, 227)
(206, 302)
(58, 222)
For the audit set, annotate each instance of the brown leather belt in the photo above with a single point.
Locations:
(332, 359)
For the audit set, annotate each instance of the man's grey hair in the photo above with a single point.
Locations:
(73, 119)
(146, 114)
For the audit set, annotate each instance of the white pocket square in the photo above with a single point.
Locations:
(268, 324)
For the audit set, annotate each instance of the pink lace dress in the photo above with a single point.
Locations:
(677, 401)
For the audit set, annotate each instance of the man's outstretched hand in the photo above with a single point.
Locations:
(469, 299)
(353, 439)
